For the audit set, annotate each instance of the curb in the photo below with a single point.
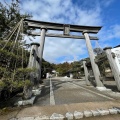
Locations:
(74, 116)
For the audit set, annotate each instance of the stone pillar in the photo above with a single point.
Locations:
(42, 41)
(92, 59)
(34, 76)
(86, 73)
(36, 55)
(36, 60)
(34, 63)
(113, 66)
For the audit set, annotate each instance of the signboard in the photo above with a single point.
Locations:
(117, 56)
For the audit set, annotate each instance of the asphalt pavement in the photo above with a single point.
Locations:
(62, 95)
(66, 91)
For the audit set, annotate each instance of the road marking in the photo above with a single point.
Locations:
(93, 92)
(52, 99)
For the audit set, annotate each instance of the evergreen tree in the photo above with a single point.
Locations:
(14, 57)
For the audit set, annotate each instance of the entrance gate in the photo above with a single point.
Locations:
(67, 29)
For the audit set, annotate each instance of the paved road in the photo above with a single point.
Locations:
(62, 95)
(66, 91)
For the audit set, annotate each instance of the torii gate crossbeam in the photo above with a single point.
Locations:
(66, 28)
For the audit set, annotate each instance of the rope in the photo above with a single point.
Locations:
(18, 33)
(14, 71)
(20, 29)
(15, 41)
(11, 34)
(9, 49)
(12, 31)
(22, 46)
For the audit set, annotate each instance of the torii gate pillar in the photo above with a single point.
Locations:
(86, 73)
(92, 59)
(42, 41)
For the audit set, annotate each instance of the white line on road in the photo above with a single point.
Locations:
(93, 92)
(52, 99)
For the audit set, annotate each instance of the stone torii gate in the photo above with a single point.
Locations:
(67, 29)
